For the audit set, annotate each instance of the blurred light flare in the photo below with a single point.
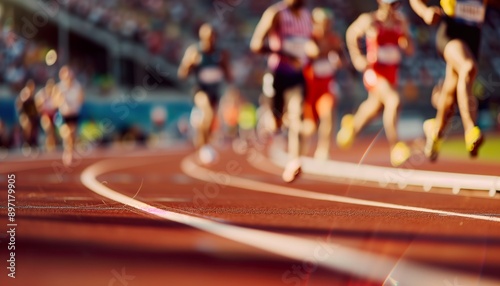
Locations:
(51, 57)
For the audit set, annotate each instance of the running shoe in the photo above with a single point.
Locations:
(473, 140)
(432, 143)
(292, 170)
(207, 155)
(400, 153)
(345, 136)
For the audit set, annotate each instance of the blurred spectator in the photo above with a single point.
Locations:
(167, 27)
(132, 136)
(410, 90)
(425, 78)
(15, 75)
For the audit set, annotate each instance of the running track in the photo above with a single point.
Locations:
(157, 217)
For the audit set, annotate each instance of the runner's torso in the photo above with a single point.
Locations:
(71, 95)
(382, 44)
(326, 64)
(290, 36)
(209, 70)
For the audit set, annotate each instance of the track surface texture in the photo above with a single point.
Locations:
(128, 217)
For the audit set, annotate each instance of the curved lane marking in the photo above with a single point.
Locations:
(206, 175)
(340, 258)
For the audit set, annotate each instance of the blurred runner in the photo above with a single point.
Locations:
(47, 108)
(386, 31)
(319, 74)
(210, 64)
(247, 121)
(287, 26)
(5, 138)
(28, 115)
(265, 125)
(69, 97)
(230, 109)
(458, 40)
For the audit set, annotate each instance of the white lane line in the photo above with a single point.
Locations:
(386, 175)
(77, 198)
(151, 199)
(83, 208)
(340, 258)
(164, 199)
(207, 175)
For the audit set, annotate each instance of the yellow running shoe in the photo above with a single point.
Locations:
(345, 136)
(400, 153)
(432, 143)
(473, 140)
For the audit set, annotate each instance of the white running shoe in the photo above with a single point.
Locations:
(292, 170)
(207, 155)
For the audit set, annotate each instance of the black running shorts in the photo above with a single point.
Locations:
(450, 30)
(211, 90)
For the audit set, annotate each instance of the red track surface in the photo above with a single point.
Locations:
(68, 235)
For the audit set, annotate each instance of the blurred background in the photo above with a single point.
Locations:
(125, 54)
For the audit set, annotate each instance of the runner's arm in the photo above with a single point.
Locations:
(258, 42)
(265, 25)
(187, 62)
(430, 14)
(355, 32)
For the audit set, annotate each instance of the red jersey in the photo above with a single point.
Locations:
(383, 48)
(383, 52)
